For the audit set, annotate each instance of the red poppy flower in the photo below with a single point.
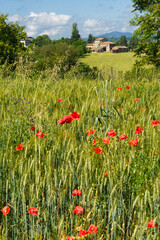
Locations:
(123, 137)
(78, 210)
(106, 174)
(95, 141)
(93, 228)
(20, 147)
(65, 119)
(119, 88)
(40, 134)
(106, 140)
(143, 109)
(75, 116)
(70, 238)
(134, 142)
(76, 192)
(138, 130)
(121, 110)
(155, 123)
(128, 87)
(137, 99)
(32, 128)
(150, 224)
(69, 106)
(111, 133)
(33, 211)
(82, 233)
(89, 132)
(98, 150)
(5, 210)
(60, 100)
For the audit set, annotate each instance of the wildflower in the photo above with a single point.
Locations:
(137, 99)
(121, 110)
(89, 132)
(128, 87)
(60, 100)
(65, 119)
(123, 137)
(40, 134)
(78, 210)
(70, 238)
(138, 130)
(106, 140)
(92, 229)
(119, 88)
(33, 211)
(82, 233)
(111, 133)
(20, 147)
(143, 109)
(75, 116)
(98, 150)
(155, 123)
(76, 192)
(134, 142)
(150, 224)
(69, 106)
(106, 174)
(32, 128)
(95, 141)
(5, 210)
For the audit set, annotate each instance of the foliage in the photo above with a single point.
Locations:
(142, 5)
(91, 38)
(10, 35)
(75, 33)
(41, 40)
(133, 42)
(148, 33)
(123, 41)
(80, 46)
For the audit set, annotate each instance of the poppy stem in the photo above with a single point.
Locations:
(6, 227)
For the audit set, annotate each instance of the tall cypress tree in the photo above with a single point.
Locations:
(75, 33)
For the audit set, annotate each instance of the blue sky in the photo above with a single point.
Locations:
(55, 17)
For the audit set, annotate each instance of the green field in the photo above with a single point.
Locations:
(119, 61)
(120, 185)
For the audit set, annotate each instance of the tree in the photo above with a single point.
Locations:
(75, 33)
(148, 31)
(133, 42)
(42, 40)
(91, 39)
(123, 41)
(10, 45)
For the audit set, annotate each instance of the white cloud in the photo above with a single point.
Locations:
(42, 23)
(98, 27)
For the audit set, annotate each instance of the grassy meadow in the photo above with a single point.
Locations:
(119, 180)
(119, 61)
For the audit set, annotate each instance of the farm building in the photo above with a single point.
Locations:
(26, 41)
(119, 49)
(102, 45)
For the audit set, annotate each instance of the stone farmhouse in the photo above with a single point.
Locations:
(101, 45)
(26, 41)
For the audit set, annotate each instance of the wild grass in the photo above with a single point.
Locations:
(47, 170)
(119, 61)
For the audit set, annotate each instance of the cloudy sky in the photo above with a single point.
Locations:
(55, 17)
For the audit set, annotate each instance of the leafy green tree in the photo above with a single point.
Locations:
(41, 40)
(75, 33)
(80, 46)
(91, 39)
(148, 32)
(10, 46)
(123, 41)
(133, 42)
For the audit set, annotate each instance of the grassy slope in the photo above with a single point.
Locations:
(119, 61)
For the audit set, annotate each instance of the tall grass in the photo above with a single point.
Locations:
(46, 171)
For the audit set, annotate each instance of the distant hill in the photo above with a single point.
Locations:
(114, 36)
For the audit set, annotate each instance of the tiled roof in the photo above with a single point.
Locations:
(99, 39)
(106, 43)
(117, 47)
